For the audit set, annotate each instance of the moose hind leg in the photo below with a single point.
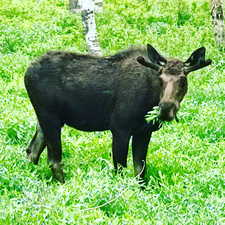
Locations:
(51, 127)
(36, 145)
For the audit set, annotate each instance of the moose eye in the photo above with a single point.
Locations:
(160, 81)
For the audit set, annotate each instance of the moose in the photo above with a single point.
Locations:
(93, 93)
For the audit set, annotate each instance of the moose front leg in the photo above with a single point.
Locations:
(120, 143)
(140, 143)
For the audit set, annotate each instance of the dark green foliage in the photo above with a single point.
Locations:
(186, 159)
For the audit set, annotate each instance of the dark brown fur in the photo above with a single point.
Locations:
(101, 93)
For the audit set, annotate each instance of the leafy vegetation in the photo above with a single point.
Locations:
(186, 167)
(153, 115)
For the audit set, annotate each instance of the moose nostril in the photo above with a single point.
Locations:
(161, 105)
(166, 105)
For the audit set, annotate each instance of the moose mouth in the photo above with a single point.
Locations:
(168, 112)
(166, 117)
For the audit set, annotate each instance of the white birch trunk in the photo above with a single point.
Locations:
(88, 19)
(75, 5)
(218, 22)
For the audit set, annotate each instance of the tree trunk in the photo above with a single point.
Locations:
(88, 19)
(75, 5)
(218, 22)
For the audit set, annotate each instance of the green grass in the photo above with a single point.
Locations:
(186, 165)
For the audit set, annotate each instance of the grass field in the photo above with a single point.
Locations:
(186, 164)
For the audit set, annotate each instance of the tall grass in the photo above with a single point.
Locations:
(185, 160)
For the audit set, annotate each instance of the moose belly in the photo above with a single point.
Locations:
(94, 116)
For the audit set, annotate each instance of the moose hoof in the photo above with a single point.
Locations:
(57, 172)
(32, 157)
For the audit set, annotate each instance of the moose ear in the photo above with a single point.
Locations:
(143, 62)
(196, 61)
(196, 57)
(155, 57)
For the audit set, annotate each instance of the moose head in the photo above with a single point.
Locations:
(172, 74)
